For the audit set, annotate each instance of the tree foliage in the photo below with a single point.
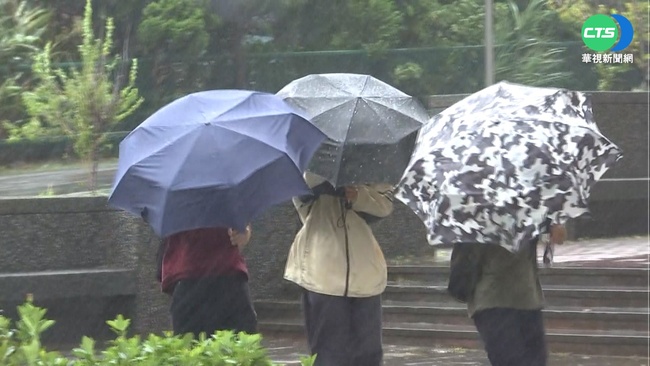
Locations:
(88, 101)
(373, 25)
(174, 27)
(422, 46)
(175, 34)
(524, 53)
(613, 76)
(21, 29)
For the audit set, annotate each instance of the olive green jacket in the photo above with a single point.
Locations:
(505, 279)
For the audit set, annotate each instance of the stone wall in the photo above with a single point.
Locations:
(67, 244)
(64, 241)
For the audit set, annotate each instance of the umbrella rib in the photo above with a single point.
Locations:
(373, 102)
(229, 109)
(258, 140)
(365, 84)
(308, 99)
(282, 154)
(331, 108)
(157, 150)
(329, 81)
(339, 159)
(173, 180)
(379, 118)
(373, 105)
(171, 183)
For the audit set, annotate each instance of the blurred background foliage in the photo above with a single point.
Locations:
(424, 47)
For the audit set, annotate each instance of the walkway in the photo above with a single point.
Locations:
(287, 351)
(608, 252)
(619, 252)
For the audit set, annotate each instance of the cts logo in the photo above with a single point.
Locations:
(601, 32)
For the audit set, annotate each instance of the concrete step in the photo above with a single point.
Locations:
(556, 276)
(594, 295)
(631, 297)
(557, 318)
(623, 343)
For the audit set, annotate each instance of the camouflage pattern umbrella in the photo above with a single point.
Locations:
(498, 165)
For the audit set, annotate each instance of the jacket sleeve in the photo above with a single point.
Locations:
(302, 207)
(376, 200)
(303, 204)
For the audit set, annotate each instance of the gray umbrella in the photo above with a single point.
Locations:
(371, 126)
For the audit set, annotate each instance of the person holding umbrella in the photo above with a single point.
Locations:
(490, 175)
(371, 130)
(337, 261)
(207, 162)
(206, 275)
(504, 298)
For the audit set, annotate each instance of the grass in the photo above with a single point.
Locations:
(49, 192)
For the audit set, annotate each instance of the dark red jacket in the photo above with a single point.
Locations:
(199, 253)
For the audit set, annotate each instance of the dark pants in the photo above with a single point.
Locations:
(213, 303)
(512, 337)
(343, 331)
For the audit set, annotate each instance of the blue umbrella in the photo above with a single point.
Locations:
(214, 158)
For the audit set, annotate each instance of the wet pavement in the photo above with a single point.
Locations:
(288, 351)
(618, 252)
(627, 252)
(59, 180)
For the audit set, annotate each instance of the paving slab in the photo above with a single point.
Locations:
(288, 351)
(626, 252)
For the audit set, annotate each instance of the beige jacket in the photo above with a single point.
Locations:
(318, 260)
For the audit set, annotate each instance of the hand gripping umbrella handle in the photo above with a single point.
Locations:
(340, 192)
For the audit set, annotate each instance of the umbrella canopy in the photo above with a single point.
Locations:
(371, 127)
(214, 158)
(498, 165)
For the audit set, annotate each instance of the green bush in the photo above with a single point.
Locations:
(22, 347)
(12, 151)
(51, 148)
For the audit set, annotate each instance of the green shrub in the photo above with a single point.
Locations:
(22, 347)
(51, 148)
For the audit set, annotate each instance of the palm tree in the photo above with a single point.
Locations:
(523, 53)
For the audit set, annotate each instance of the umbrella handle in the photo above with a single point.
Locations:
(548, 254)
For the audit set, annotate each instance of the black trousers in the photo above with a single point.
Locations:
(512, 337)
(343, 331)
(213, 303)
